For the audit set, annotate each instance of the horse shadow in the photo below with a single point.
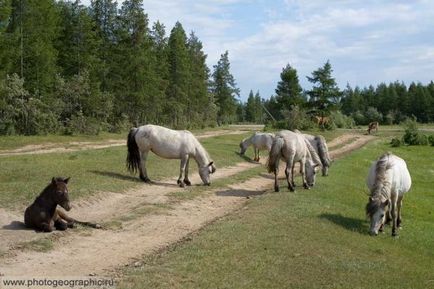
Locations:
(240, 193)
(348, 223)
(246, 158)
(16, 226)
(115, 175)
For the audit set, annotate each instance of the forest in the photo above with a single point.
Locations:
(69, 68)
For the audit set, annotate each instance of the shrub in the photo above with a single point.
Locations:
(412, 136)
(296, 118)
(395, 142)
(341, 120)
(431, 140)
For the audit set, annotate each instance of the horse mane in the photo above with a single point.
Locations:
(275, 153)
(313, 155)
(381, 186)
(323, 150)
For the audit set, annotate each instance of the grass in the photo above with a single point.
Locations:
(23, 177)
(310, 239)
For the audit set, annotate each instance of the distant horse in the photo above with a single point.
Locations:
(319, 143)
(169, 144)
(43, 214)
(293, 147)
(321, 121)
(260, 141)
(388, 180)
(373, 125)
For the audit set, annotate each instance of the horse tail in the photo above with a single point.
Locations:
(133, 156)
(323, 151)
(275, 154)
(314, 156)
(74, 221)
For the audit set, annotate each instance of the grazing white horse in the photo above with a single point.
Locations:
(319, 143)
(388, 180)
(293, 147)
(260, 141)
(169, 144)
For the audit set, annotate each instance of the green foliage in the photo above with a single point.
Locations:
(288, 91)
(431, 139)
(341, 121)
(412, 135)
(296, 118)
(395, 142)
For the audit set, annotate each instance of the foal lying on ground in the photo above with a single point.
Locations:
(43, 214)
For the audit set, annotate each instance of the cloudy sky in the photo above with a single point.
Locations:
(366, 41)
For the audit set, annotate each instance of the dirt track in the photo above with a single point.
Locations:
(102, 251)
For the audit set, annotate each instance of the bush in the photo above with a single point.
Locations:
(395, 142)
(412, 136)
(341, 120)
(296, 118)
(359, 118)
(79, 124)
(431, 140)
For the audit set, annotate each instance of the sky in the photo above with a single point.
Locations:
(367, 42)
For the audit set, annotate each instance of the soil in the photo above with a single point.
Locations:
(102, 252)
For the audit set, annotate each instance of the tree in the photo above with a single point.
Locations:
(179, 76)
(325, 93)
(224, 89)
(288, 91)
(33, 29)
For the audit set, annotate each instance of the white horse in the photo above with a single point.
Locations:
(388, 180)
(169, 144)
(319, 143)
(260, 141)
(293, 147)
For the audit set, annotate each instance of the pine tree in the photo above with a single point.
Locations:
(325, 93)
(288, 91)
(179, 77)
(225, 90)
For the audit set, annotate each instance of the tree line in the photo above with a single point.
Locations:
(387, 103)
(66, 67)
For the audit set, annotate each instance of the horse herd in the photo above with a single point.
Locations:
(388, 178)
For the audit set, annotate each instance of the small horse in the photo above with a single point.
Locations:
(319, 143)
(373, 125)
(388, 180)
(169, 144)
(260, 141)
(321, 121)
(293, 147)
(44, 216)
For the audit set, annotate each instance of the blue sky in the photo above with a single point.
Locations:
(367, 42)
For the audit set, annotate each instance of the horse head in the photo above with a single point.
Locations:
(59, 192)
(376, 210)
(205, 171)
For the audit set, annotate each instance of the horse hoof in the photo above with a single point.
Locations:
(187, 182)
(276, 189)
(181, 184)
(145, 179)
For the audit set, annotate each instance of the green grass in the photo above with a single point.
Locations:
(310, 239)
(23, 177)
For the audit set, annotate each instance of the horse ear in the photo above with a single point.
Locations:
(66, 180)
(53, 181)
(211, 163)
(371, 199)
(386, 202)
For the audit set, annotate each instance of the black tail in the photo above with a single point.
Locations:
(133, 157)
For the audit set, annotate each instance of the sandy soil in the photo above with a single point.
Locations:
(101, 252)
(49, 148)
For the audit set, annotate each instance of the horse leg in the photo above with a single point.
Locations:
(142, 167)
(256, 154)
(186, 180)
(276, 181)
(288, 173)
(59, 224)
(181, 170)
(394, 217)
(399, 221)
(46, 227)
(303, 174)
(292, 175)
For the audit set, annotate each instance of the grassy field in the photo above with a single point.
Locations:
(24, 177)
(311, 239)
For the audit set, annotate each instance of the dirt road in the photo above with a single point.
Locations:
(101, 252)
